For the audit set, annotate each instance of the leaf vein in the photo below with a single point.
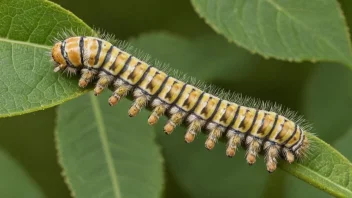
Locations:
(281, 9)
(104, 140)
(260, 27)
(7, 40)
(289, 51)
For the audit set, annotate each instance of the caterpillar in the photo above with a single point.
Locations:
(257, 130)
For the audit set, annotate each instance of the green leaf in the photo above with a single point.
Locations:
(18, 97)
(294, 30)
(327, 169)
(29, 140)
(15, 181)
(160, 15)
(329, 84)
(27, 82)
(343, 144)
(106, 154)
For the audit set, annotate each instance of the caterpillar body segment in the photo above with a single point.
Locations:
(258, 130)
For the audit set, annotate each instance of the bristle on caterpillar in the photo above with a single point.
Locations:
(260, 128)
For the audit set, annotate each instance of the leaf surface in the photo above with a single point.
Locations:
(105, 153)
(293, 30)
(29, 140)
(15, 182)
(27, 30)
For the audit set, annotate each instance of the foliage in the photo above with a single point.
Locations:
(103, 153)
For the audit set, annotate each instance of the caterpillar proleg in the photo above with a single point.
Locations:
(259, 130)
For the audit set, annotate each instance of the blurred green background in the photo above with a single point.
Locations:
(321, 92)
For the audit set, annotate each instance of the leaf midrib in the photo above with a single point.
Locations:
(25, 43)
(104, 141)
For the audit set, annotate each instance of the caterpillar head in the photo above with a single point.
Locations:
(57, 57)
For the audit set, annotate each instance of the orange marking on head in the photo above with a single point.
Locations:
(57, 56)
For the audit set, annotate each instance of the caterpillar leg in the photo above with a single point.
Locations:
(120, 92)
(253, 149)
(102, 83)
(59, 67)
(175, 120)
(288, 155)
(157, 112)
(233, 143)
(193, 129)
(86, 77)
(70, 71)
(213, 137)
(272, 153)
(139, 103)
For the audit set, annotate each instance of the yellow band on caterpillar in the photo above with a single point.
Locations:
(257, 129)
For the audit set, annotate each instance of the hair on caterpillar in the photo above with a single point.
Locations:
(207, 87)
(189, 91)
